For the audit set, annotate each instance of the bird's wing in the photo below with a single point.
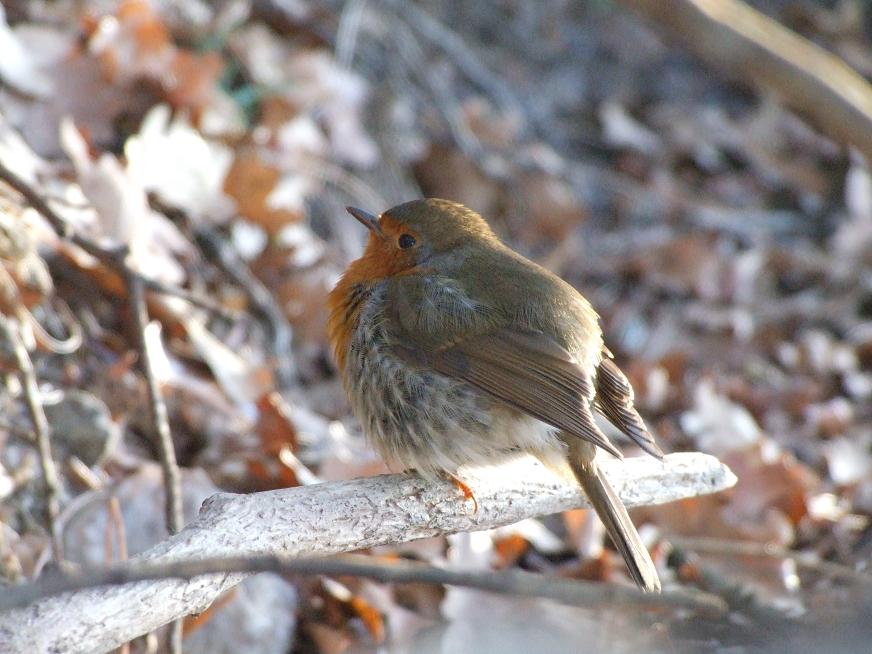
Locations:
(614, 399)
(526, 370)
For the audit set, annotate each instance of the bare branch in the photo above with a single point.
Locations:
(509, 582)
(40, 427)
(172, 476)
(327, 519)
(36, 201)
(156, 406)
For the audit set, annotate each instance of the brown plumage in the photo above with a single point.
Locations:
(456, 350)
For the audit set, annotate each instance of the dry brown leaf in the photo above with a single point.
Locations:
(276, 431)
(265, 472)
(303, 293)
(250, 182)
(601, 568)
(423, 599)
(275, 424)
(508, 550)
(574, 521)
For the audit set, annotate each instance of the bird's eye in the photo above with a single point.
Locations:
(406, 241)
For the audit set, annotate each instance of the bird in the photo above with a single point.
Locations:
(455, 350)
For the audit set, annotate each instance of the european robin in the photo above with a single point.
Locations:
(456, 350)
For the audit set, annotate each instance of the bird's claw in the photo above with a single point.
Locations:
(467, 492)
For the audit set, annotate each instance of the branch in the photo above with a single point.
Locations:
(508, 582)
(746, 44)
(327, 519)
(156, 406)
(41, 429)
(157, 409)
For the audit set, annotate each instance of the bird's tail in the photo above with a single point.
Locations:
(614, 516)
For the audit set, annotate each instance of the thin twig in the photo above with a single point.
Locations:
(115, 523)
(172, 477)
(496, 163)
(507, 582)
(737, 593)
(156, 406)
(74, 330)
(417, 63)
(41, 429)
(36, 201)
(351, 185)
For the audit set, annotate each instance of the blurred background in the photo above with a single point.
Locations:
(707, 205)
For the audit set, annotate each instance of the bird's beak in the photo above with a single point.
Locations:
(367, 219)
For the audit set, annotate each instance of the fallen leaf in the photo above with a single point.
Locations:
(251, 182)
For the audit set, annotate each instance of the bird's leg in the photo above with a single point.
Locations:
(466, 490)
(459, 483)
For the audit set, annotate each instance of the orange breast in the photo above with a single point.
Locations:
(380, 260)
(345, 302)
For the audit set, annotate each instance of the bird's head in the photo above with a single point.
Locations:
(414, 234)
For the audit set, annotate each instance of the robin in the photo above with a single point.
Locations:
(456, 350)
